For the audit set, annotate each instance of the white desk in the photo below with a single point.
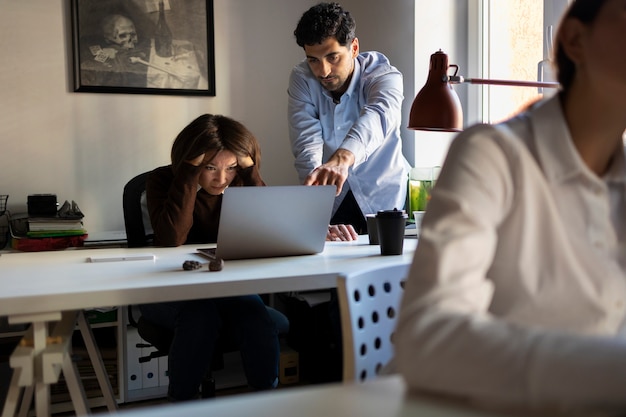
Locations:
(43, 282)
(382, 397)
(38, 287)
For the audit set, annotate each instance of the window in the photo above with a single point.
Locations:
(512, 40)
(501, 39)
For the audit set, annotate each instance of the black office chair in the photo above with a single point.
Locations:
(139, 234)
(135, 212)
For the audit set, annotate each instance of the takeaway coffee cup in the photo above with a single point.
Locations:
(391, 225)
(418, 215)
(372, 228)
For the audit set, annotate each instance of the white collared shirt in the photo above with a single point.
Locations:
(517, 293)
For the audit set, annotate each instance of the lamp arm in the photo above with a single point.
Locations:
(457, 79)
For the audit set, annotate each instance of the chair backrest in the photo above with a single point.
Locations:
(139, 234)
(369, 302)
(136, 219)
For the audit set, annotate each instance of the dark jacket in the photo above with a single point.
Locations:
(179, 212)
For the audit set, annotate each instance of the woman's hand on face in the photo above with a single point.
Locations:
(341, 232)
(244, 161)
(197, 161)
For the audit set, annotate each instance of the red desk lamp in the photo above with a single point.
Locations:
(437, 106)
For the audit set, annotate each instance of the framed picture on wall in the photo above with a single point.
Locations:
(143, 46)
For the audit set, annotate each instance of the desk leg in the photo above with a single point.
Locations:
(27, 399)
(32, 373)
(39, 342)
(22, 362)
(75, 386)
(58, 357)
(42, 399)
(96, 361)
(39, 359)
(13, 395)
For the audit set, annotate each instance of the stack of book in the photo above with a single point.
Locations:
(54, 227)
(68, 221)
(38, 231)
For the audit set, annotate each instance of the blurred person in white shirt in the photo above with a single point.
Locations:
(517, 293)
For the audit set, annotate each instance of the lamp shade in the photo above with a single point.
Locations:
(436, 106)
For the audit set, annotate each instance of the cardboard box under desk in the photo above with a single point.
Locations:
(289, 368)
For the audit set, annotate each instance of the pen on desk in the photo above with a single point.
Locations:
(140, 257)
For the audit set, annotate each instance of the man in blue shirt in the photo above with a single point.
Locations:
(344, 118)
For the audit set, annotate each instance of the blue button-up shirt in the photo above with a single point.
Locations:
(366, 121)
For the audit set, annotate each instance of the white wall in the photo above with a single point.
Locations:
(85, 146)
(440, 25)
(388, 27)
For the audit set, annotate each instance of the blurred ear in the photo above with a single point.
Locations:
(571, 37)
(354, 46)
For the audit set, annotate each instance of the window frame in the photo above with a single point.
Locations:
(477, 108)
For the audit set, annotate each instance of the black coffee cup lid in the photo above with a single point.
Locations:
(395, 213)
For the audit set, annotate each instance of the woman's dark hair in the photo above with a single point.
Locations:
(585, 11)
(324, 21)
(214, 133)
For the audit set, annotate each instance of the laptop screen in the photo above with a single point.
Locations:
(262, 222)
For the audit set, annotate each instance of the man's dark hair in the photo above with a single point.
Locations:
(324, 21)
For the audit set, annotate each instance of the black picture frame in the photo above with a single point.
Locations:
(115, 42)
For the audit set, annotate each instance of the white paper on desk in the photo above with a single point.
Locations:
(122, 258)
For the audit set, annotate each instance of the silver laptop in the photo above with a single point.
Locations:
(265, 222)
